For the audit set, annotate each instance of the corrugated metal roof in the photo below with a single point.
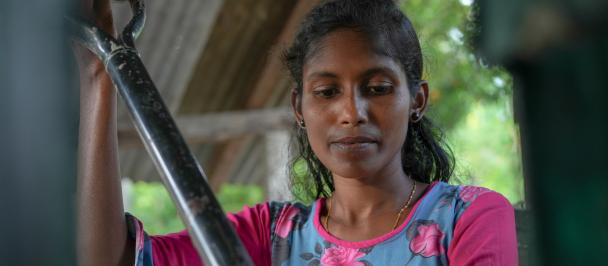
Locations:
(215, 56)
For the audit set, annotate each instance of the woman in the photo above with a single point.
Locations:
(378, 169)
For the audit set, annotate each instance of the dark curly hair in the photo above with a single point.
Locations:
(425, 155)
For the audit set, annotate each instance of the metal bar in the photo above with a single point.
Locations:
(136, 25)
(210, 230)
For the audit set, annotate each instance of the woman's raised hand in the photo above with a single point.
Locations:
(99, 13)
(102, 231)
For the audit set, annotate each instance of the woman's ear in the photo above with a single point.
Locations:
(296, 104)
(420, 101)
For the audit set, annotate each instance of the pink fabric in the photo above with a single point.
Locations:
(252, 225)
(428, 241)
(285, 222)
(341, 256)
(485, 233)
(470, 193)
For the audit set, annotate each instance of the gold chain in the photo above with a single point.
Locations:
(405, 206)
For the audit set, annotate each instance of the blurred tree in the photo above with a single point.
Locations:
(150, 202)
(487, 150)
(469, 100)
(233, 197)
(456, 77)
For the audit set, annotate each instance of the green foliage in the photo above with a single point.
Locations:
(233, 197)
(151, 203)
(457, 79)
(300, 181)
(487, 150)
(153, 206)
(469, 100)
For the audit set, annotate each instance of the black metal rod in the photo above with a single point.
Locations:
(210, 230)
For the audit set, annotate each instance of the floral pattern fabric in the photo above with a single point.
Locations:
(437, 231)
(422, 240)
(425, 239)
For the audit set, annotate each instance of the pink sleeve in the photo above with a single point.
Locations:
(485, 233)
(252, 225)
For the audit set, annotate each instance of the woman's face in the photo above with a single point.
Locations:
(355, 104)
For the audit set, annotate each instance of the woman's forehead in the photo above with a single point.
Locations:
(347, 51)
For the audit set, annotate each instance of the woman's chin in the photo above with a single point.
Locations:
(354, 171)
(364, 167)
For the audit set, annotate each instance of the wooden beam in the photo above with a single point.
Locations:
(266, 83)
(223, 164)
(219, 126)
(274, 69)
(227, 72)
(170, 46)
(172, 42)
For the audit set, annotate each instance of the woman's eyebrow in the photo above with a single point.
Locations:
(321, 74)
(378, 70)
(367, 74)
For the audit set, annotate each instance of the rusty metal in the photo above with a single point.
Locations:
(210, 230)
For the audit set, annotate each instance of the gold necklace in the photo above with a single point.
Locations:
(405, 206)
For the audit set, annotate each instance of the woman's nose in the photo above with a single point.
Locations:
(353, 110)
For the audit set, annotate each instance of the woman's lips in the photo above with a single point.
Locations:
(354, 139)
(354, 143)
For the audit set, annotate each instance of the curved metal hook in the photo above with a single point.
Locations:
(99, 42)
(136, 25)
(102, 43)
(212, 235)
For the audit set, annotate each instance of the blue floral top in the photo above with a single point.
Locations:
(449, 225)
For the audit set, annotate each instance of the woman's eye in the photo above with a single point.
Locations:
(379, 90)
(326, 92)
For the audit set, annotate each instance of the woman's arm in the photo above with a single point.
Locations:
(252, 225)
(485, 233)
(102, 232)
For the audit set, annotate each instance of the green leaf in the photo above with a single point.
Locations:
(318, 248)
(314, 263)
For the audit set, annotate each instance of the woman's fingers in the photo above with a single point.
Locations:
(101, 14)
(98, 12)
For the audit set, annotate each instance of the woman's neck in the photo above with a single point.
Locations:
(362, 209)
(357, 199)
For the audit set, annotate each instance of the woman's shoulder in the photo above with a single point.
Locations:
(289, 211)
(467, 194)
(288, 206)
(481, 218)
(274, 212)
(455, 200)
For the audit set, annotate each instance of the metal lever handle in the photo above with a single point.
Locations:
(210, 230)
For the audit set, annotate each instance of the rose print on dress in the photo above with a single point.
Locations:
(334, 255)
(470, 193)
(428, 241)
(426, 238)
(447, 197)
(341, 256)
